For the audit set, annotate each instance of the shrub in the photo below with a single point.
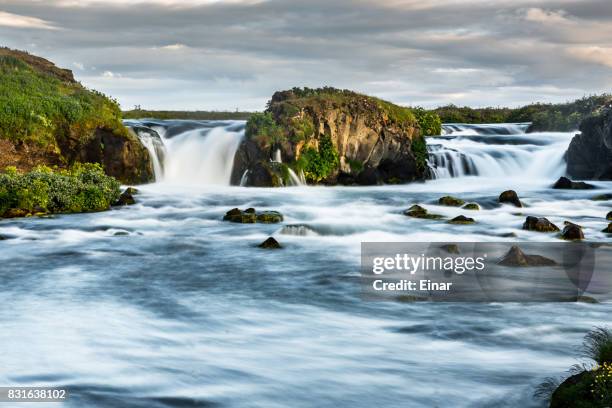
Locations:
(429, 121)
(262, 128)
(419, 148)
(83, 188)
(318, 164)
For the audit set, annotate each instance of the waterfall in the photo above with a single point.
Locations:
(497, 150)
(294, 180)
(244, 178)
(152, 141)
(203, 154)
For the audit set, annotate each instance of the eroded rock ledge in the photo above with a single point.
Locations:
(330, 136)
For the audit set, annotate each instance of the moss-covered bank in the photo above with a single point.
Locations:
(48, 118)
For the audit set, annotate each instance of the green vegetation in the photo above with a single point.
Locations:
(186, 115)
(318, 164)
(419, 148)
(429, 121)
(262, 128)
(588, 386)
(561, 117)
(83, 188)
(41, 103)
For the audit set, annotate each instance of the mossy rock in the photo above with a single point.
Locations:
(471, 206)
(609, 216)
(416, 211)
(269, 217)
(462, 219)
(575, 392)
(608, 229)
(239, 216)
(451, 201)
(126, 197)
(539, 224)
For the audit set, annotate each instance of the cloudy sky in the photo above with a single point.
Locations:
(228, 54)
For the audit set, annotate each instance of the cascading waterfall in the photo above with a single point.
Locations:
(294, 179)
(202, 155)
(497, 150)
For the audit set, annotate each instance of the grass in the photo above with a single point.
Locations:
(41, 103)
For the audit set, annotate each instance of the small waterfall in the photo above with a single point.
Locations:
(277, 156)
(497, 150)
(294, 180)
(244, 178)
(152, 141)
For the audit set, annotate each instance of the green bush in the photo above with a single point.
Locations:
(429, 121)
(83, 188)
(262, 128)
(318, 164)
(419, 148)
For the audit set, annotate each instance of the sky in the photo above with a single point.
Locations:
(233, 54)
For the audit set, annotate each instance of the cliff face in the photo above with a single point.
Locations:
(331, 136)
(49, 118)
(589, 155)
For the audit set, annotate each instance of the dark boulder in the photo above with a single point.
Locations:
(462, 219)
(270, 243)
(510, 197)
(573, 389)
(609, 216)
(539, 224)
(517, 258)
(572, 232)
(566, 184)
(451, 201)
(608, 229)
(589, 155)
(126, 198)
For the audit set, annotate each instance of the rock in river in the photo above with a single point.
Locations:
(250, 216)
(451, 201)
(572, 232)
(539, 224)
(270, 243)
(462, 219)
(510, 197)
(566, 184)
(517, 258)
(416, 211)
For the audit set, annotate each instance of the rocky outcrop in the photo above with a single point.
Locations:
(572, 232)
(416, 211)
(331, 137)
(250, 216)
(270, 243)
(589, 155)
(539, 225)
(74, 124)
(451, 201)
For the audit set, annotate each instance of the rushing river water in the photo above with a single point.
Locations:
(162, 304)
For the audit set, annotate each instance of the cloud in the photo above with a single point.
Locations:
(19, 21)
(228, 54)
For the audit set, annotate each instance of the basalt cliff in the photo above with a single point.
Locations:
(48, 118)
(589, 155)
(330, 136)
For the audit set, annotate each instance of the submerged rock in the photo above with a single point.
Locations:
(416, 211)
(132, 190)
(471, 206)
(451, 248)
(451, 201)
(510, 197)
(270, 243)
(539, 224)
(566, 184)
(462, 219)
(572, 232)
(517, 258)
(608, 229)
(602, 197)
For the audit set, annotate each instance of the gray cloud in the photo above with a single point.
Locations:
(234, 54)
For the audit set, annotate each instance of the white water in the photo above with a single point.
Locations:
(497, 150)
